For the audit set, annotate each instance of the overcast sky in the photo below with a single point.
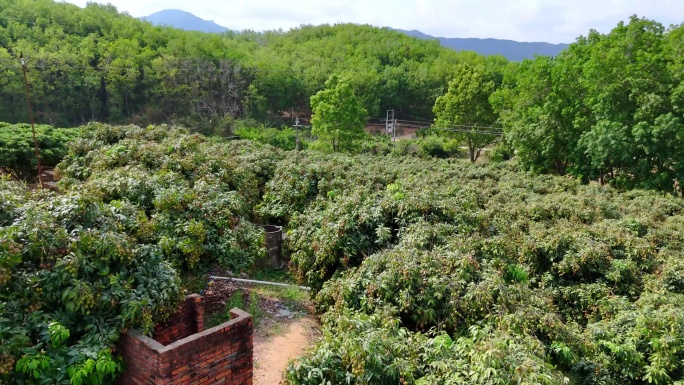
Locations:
(554, 21)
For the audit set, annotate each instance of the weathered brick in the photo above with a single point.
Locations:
(183, 353)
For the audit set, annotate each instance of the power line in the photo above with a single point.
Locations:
(419, 119)
(462, 127)
(422, 124)
(473, 126)
(468, 131)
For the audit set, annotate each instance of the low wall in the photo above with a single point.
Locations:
(187, 321)
(188, 354)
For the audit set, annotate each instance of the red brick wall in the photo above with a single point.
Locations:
(188, 321)
(220, 355)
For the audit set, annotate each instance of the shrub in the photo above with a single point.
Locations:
(73, 276)
(17, 153)
(284, 138)
(432, 146)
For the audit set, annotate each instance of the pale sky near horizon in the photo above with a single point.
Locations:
(553, 21)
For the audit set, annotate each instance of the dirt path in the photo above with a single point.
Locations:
(272, 354)
(284, 327)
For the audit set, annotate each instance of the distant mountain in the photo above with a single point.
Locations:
(512, 50)
(183, 20)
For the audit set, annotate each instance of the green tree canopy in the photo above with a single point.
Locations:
(338, 114)
(96, 63)
(465, 112)
(608, 108)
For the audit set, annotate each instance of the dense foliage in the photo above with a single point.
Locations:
(137, 207)
(438, 272)
(465, 111)
(338, 118)
(74, 274)
(609, 108)
(99, 64)
(285, 138)
(426, 271)
(198, 193)
(17, 153)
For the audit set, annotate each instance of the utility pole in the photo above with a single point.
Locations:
(389, 122)
(391, 126)
(394, 134)
(296, 126)
(30, 112)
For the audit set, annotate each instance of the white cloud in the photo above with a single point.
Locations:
(524, 20)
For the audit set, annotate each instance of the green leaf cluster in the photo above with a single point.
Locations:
(17, 152)
(137, 207)
(534, 279)
(607, 109)
(338, 115)
(98, 64)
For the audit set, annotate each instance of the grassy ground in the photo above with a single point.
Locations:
(280, 276)
(241, 299)
(261, 301)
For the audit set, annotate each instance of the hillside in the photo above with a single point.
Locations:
(564, 265)
(606, 109)
(125, 70)
(183, 20)
(512, 50)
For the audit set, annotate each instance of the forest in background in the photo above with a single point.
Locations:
(608, 109)
(96, 64)
(491, 275)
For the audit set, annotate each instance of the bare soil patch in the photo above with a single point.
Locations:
(284, 325)
(273, 353)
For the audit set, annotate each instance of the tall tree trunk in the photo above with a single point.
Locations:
(471, 148)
